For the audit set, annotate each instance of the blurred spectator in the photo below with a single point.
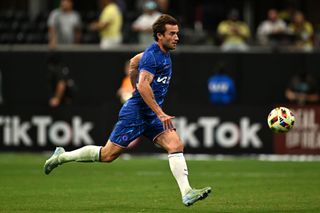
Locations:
(64, 25)
(122, 6)
(163, 6)
(62, 86)
(303, 31)
(1, 91)
(273, 26)
(288, 12)
(221, 87)
(303, 89)
(109, 25)
(143, 24)
(317, 36)
(139, 5)
(233, 33)
(126, 89)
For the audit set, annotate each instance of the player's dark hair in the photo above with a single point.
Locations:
(159, 25)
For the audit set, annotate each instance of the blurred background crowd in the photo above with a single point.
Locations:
(232, 25)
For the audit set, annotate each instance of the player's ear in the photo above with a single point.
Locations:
(159, 35)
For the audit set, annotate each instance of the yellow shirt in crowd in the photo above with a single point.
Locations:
(111, 14)
(234, 31)
(305, 33)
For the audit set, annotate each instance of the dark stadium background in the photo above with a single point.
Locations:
(261, 75)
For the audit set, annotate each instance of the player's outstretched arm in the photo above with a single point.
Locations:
(146, 93)
(59, 92)
(133, 68)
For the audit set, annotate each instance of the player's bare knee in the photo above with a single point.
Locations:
(108, 159)
(179, 147)
(176, 147)
(110, 152)
(106, 156)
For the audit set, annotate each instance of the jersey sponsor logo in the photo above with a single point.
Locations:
(164, 80)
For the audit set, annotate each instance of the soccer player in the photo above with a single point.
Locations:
(142, 114)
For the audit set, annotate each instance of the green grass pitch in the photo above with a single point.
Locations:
(145, 184)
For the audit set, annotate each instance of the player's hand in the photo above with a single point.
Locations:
(52, 45)
(54, 102)
(94, 26)
(301, 98)
(166, 121)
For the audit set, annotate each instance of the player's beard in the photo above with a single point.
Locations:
(167, 46)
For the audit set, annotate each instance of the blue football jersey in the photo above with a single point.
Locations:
(159, 64)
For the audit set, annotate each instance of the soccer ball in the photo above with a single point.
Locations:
(280, 120)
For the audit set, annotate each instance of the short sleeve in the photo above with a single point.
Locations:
(77, 20)
(52, 18)
(108, 14)
(223, 28)
(138, 22)
(148, 63)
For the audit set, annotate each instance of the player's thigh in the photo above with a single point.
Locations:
(126, 131)
(110, 152)
(170, 141)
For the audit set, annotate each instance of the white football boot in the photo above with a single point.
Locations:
(194, 195)
(53, 162)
